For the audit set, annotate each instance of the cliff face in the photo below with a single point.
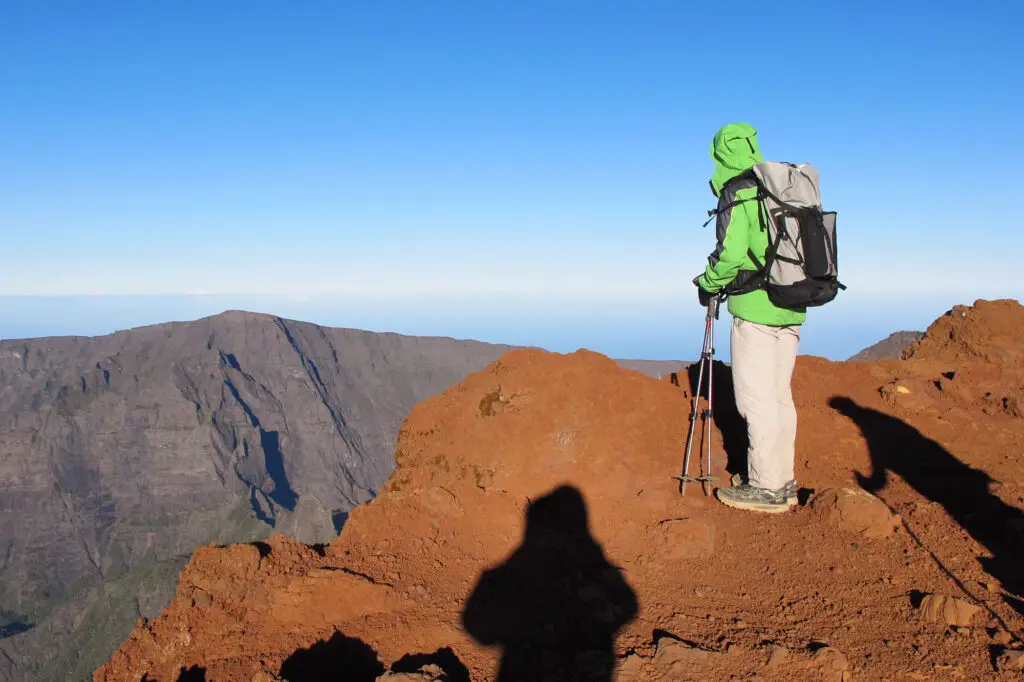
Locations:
(121, 454)
(533, 529)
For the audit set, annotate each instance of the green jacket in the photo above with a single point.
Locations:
(735, 150)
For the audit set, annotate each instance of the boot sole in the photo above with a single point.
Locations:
(754, 506)
(736, 480)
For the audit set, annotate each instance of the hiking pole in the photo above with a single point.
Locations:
(708, 414)
(707, 357)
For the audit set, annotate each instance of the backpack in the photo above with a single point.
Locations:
(801, 267)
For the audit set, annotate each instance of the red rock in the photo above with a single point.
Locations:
(856, 511)
(456, 508)
(948, 610)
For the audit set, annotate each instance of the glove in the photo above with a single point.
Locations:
(703, 296)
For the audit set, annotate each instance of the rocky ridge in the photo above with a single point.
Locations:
(123, 453)
(533, 527)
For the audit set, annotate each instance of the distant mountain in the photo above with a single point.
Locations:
(891, 347)
(121, 454)
(655, 368)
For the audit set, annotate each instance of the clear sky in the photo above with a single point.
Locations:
(540, 161)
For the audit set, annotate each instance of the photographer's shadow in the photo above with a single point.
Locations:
(557, 604)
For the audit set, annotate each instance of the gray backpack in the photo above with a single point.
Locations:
(801, 267)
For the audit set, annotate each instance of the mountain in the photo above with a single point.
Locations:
(121, 454)
(533, 523)
(655, 368)
(891, 347)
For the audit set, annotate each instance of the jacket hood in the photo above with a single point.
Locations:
(734, 150)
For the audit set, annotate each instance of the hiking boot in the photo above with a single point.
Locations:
(748, 497)
(789, 491)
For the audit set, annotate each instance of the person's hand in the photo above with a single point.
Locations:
(704, 297)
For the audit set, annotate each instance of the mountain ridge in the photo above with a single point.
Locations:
(454, 556)
(891, 347)
(124, 452)
(128, 450)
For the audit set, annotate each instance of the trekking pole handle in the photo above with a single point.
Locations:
(714, 306)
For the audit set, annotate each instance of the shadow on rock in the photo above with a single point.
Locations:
(445, 659)
(556, 604)
(193, 674)
(935, 473)
(339, 658)
(727, 419)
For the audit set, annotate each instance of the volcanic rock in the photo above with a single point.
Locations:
(522, 536)
(829, 665)
(430, 673)
(678, 660)
(991, 331)
(949, 610)
(856, 511)
(1010, 660)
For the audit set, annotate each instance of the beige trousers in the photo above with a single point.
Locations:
(762, 371)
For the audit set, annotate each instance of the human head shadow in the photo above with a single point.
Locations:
(936, 474)
(556, 604)
(727, 419)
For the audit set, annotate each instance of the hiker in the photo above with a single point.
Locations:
(764, 337)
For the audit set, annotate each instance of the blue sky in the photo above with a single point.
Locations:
(527, 170)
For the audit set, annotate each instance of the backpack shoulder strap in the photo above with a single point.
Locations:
(745, 176)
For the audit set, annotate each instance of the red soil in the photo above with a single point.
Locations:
(664, 586)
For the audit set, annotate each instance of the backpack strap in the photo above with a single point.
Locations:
(745, 175)
(746, 281)
(751, 280)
